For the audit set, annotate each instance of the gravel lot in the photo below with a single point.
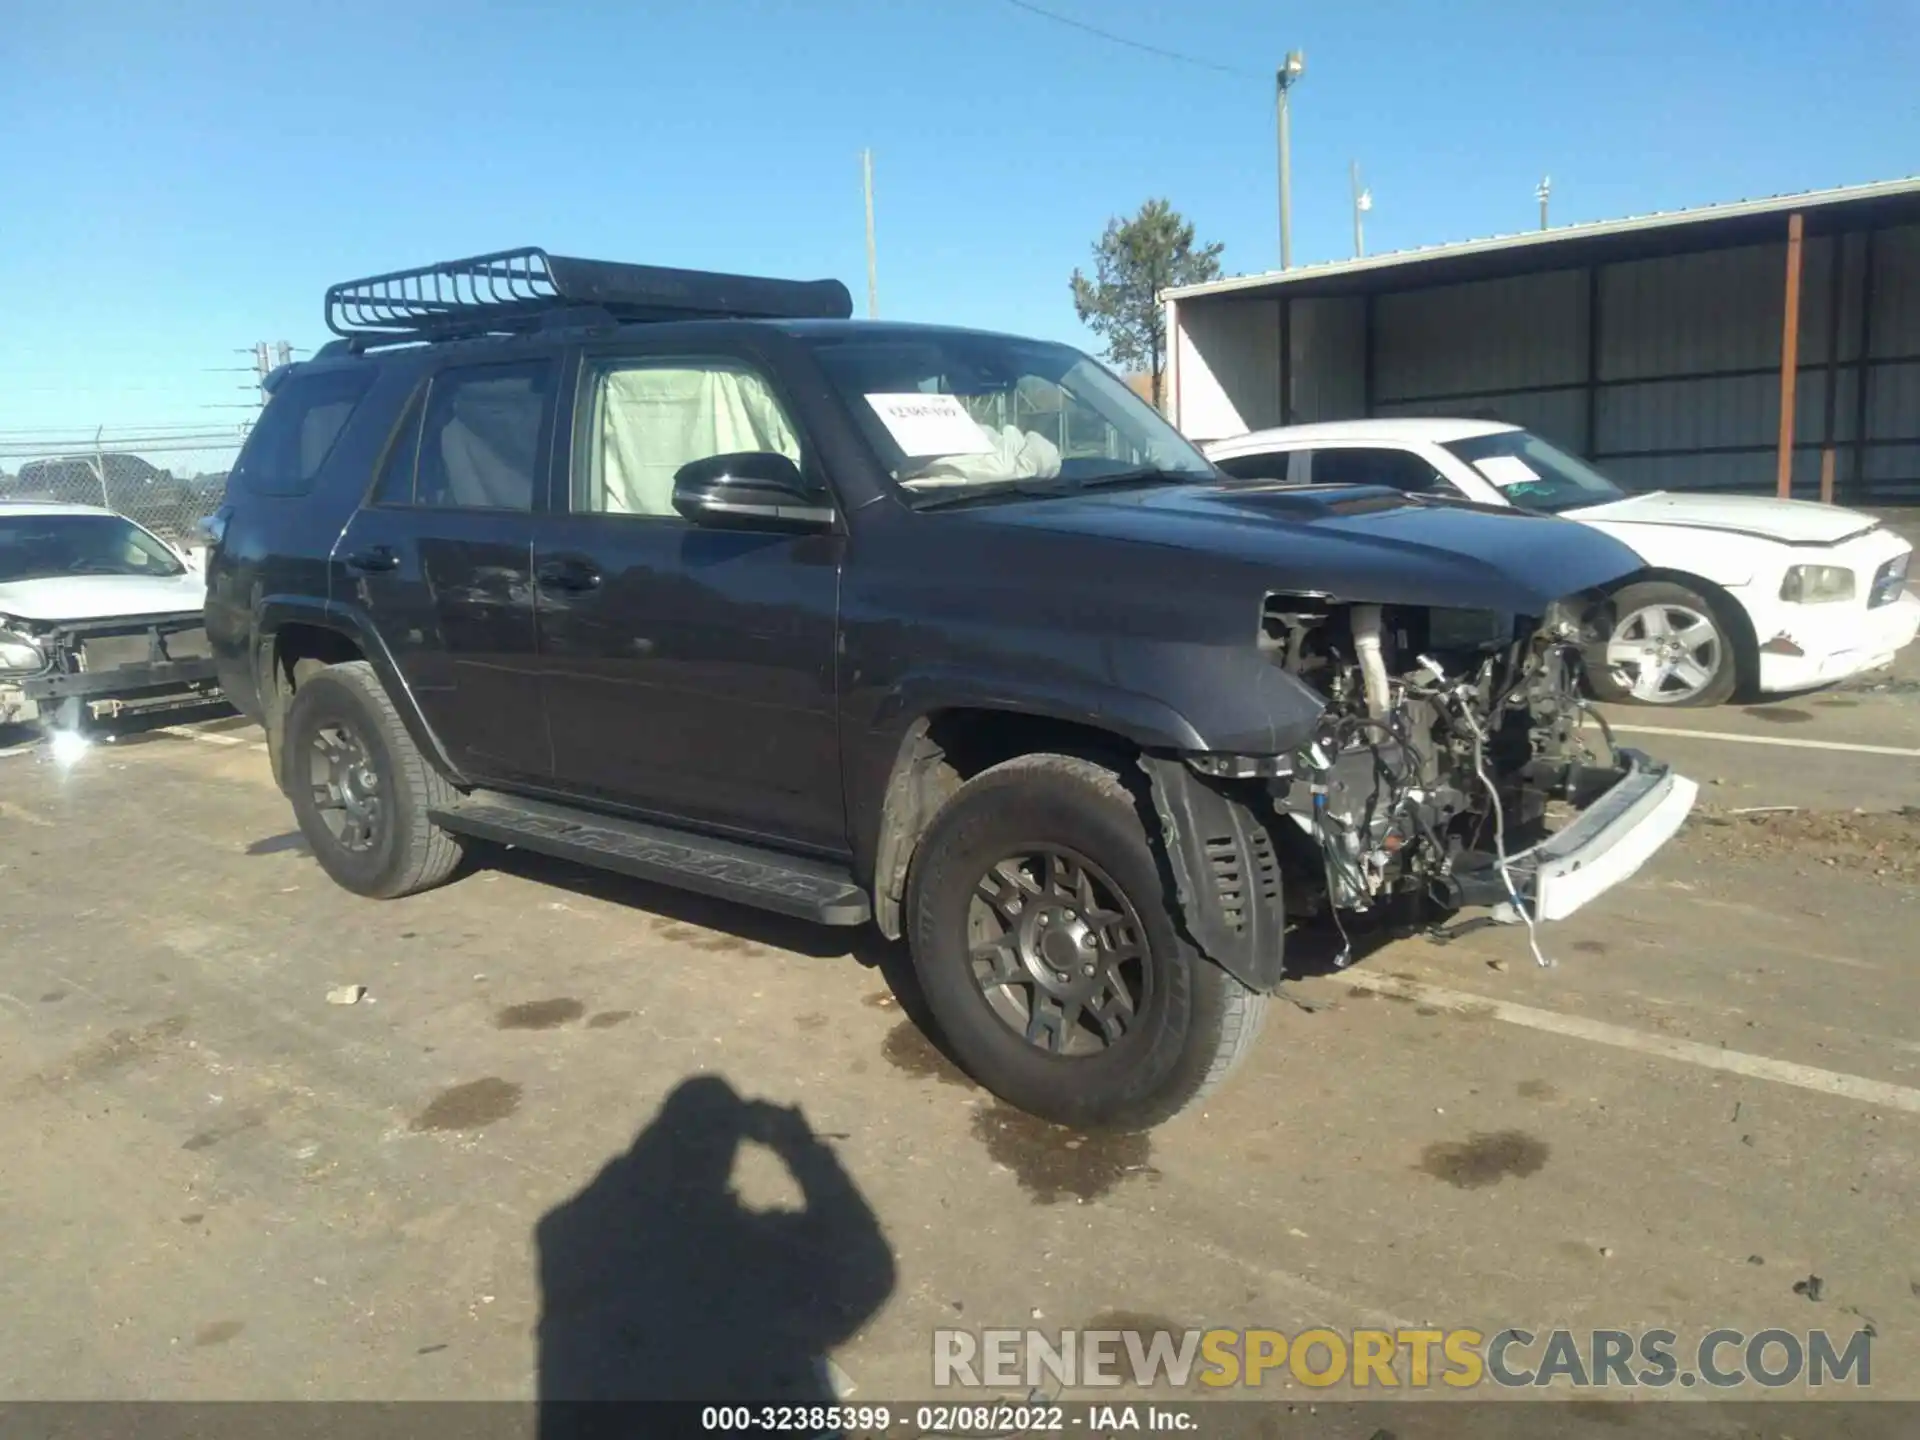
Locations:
(512, 1163)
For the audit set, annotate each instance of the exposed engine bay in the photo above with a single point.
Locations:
(1448, 738)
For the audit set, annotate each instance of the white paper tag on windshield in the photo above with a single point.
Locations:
(923, 425)
(1506, 470)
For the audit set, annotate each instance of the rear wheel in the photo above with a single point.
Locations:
(1669, 647)
(1043, 942)
(361, 790)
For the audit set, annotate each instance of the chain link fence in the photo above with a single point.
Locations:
(167, 481)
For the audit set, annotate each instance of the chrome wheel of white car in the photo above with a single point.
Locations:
(1667, 648)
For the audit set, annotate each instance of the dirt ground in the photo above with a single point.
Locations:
(552, 1139)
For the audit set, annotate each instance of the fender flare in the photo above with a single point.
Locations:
(905, 807)
(1226, 875)
(276, 611)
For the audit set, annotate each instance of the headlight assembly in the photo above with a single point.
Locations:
(1817, 584)
(19, 655)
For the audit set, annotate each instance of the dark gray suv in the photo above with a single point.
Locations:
(692, 577)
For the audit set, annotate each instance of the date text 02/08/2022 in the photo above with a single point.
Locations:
(948, 1420)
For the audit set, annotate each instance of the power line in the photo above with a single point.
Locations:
(1133, 44)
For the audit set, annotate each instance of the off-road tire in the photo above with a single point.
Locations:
(409, 852)
(1197, 1022)
(1630, 599)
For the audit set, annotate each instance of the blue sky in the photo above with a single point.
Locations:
(177, 181)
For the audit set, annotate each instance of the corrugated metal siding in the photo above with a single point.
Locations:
(1753, 472)
(1229, 362)
(1518, 348)
(1719, 311)
(1706, 413)
(1893, 390)
(1486, 337)
(1896, 295)
(1328, 367)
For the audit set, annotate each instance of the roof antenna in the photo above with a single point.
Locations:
(1540, 193)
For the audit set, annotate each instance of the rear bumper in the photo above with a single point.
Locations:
(1605, 844)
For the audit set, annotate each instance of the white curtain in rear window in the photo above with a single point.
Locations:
(654, 420)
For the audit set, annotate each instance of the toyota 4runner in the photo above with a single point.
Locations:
(690, 576)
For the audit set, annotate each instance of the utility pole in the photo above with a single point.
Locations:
(269, 356)
(1540, 193)
(1362, 202)
(873, 271)
(1289, 72)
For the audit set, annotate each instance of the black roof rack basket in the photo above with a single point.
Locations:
(517, 290)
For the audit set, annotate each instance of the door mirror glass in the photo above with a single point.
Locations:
(749, 490)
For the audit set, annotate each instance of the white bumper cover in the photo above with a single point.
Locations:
(1606, 843)
(1837, 642)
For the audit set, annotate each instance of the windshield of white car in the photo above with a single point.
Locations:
(38, 547)
(957, 413)
(1533, 474)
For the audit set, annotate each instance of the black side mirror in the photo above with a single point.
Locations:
(750, 490)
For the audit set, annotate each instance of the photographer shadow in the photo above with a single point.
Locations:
(658, 1283)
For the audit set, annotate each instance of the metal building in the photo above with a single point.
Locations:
(1667, 348)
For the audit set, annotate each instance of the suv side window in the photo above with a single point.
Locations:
(297, 431)
(1358, 465)
(480, 442)
(646, 419)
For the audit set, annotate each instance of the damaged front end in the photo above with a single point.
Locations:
(57, 672)
(1454, 760)
(1455, 765)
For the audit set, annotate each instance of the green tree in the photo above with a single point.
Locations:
(1134, 261)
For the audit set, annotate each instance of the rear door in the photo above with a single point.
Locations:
(441, 559)
(688, 671)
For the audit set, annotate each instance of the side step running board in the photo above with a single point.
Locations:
(811, 889)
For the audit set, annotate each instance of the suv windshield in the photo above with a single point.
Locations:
(33, 547)
(954, 412)
(1532, 473)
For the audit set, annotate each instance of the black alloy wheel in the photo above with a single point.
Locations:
(1058, 950)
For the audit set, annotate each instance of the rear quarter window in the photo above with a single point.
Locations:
(298, 430)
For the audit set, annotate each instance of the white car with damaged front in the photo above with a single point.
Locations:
(98, 616)
(1741, 592)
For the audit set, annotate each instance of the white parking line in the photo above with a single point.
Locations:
(1758, 1067)
(1783, 740)
(187, 732)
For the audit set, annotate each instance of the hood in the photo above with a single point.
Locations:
(102, 597)
(1350, 542)
(1795, 522)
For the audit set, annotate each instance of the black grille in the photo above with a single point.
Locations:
(1888, 581)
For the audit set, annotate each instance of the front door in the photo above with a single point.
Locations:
(442, 562)
(688, 672)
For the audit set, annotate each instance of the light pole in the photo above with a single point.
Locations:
(873, 272)
(1289, 72)
(1540, 193)
(1362, 202)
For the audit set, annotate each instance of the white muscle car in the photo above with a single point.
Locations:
(1741, 592)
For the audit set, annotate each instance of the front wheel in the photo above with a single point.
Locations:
(1044, 944)
(1669, 647)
